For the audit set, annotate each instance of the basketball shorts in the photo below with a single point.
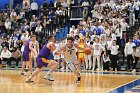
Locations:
(25, 56)
(40, 62)
(72, 64)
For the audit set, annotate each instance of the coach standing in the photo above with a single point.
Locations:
(128, 52)
(34, 8)
(114, 55)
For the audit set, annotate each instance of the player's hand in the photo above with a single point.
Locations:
(52, 61)
(133, 61)
(57, 53)
(34, 52)
(91, 47)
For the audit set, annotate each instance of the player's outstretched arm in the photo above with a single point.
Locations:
(59, 51)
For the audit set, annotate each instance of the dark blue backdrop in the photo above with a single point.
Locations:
(17, 2)
(3, 2)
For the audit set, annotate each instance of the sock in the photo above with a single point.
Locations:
(49, 72)
(78, 75)
(30, 77)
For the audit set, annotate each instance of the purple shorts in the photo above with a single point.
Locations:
(40, 63)
(25, 56)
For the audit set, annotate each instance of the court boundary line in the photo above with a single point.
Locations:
(93, 72)
(124, 85)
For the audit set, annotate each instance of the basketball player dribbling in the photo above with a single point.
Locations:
(26, 55)
(42, 61)
(69, 50)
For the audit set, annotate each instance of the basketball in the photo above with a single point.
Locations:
(87, 51)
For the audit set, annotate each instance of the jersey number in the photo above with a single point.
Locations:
(70, 51)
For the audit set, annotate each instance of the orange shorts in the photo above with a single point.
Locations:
(81, 57)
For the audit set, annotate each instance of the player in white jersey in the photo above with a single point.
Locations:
(69, 50)
(35, 47)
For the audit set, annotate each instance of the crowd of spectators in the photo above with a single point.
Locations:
(18, 24)
(104, 27)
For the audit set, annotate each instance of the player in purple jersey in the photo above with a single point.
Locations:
(26, 55)
(42, 61)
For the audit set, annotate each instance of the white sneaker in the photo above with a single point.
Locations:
(28, 80)
(67, 68)
(134, 71)
(48, 77)
(98, 69)
(62, 68)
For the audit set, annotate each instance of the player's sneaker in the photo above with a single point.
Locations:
(78, 79)
(62, 68)
(134, 71)
(28, 80)
(98, 69)
(48, 77)
(67, 68)
(26, 69)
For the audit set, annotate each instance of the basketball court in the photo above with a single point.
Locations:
(91, 82)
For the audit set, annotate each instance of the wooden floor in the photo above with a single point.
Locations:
(12, 82)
